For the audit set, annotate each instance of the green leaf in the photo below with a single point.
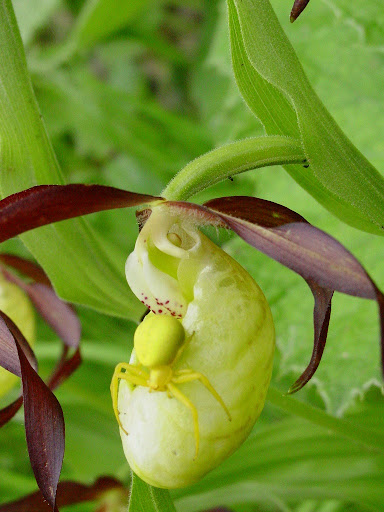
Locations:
(75, 258)
(293, 459)
(339, 177)
(145, 498)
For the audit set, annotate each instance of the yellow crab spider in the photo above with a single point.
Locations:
(159, 342)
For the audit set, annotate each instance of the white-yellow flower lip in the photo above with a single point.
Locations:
(158, 290)
(230, 327)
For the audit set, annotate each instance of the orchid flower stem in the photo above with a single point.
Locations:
(371, 439)
(231, 159)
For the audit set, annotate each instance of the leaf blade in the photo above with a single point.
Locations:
(145, 498)
(76, 259)
(339, 177)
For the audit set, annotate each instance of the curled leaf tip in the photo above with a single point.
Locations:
(297, 9)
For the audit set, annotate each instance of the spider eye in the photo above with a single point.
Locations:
(157, 340)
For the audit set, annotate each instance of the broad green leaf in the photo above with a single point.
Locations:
(145, 498)
(73, 256)
(291, 460)
(339, 177)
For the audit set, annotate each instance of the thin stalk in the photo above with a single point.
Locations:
(232, 159)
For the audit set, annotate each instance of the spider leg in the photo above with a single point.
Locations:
(184, 400)
(182, 348)
(190, 375)
(131, 374)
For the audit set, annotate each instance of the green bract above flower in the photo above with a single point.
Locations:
(229, 340)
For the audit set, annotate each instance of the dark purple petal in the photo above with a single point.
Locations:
(321, 317)
(255, 210)
(63, 370)
(68, 493)
(295, 243)
(45, 204)
(25, 267)
(45, 431)
(317, 257)
(8, 412)
(44, 422)
(298, 8)
(59, 315)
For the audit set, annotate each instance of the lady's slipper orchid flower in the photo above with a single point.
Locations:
(273, 229)
(225, 355)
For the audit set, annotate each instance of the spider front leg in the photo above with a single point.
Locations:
(132, 374)
(184, 400)
(190, 375)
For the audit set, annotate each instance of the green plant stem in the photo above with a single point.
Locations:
(371, 439)
(232, 159)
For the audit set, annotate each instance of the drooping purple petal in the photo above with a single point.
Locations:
(8, 412)
(45, 204)
(68, 493)
(295, 243)
(25, 267)
(322, 261)
(321, 317)
(59, 315)
(297, 9)
(65, 367)
(45, 431)
(44, 422)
